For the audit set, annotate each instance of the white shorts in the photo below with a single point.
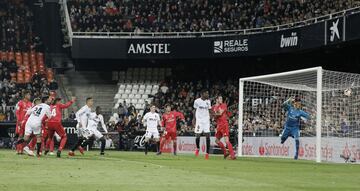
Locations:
(89, 132)
(32, 129)
(152, 134)
(202, 127)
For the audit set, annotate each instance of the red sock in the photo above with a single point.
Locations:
(162, 143)
(52, 145)
(221, 145)
(18, 148)
(62, 143)
(32, 143)
(47, 144)
(230, 147)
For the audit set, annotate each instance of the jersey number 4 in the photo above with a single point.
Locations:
(37, 111)
(53, 112)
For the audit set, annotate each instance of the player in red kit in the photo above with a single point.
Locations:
(168, 121)
(54, 124)
(222, 127)
(21, 108)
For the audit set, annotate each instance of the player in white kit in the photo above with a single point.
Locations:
(82, 117)
(151, 120)
(201, 121)
(33, 125)
(95, 118)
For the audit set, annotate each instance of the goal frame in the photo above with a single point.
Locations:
(319, 73)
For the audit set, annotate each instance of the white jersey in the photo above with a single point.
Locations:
(82, 115)
(37, 114)
(152, 120)
(202, 107)
(94, 120)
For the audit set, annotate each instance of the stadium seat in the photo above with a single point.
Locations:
(149, 87)
(127, 91)
(122, 86)
(121, 91)
(138, 106)
(153, 92)
(142, 87)
(156, 87)
(138, 96)
(128, 87)
(117, 96)
(147, 91)
(135, 87)
(134, 91)
(131, 96)
(123, 96)
(144, 96)
(134, 101)
(141, 92)
(141, 101)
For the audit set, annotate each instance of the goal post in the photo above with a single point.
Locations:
(327, 136)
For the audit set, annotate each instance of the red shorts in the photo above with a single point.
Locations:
(55, 127)
(222, 130)
(170, 135)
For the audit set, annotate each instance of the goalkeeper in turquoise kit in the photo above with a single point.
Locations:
(294, 112)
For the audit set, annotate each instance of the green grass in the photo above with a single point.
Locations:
(134, 171)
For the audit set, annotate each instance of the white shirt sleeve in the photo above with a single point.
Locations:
(209, 102)
(103, 123)
(145, 118)
(29, 111)
(196, 105)
(79, 113)
(158, 119)
(48, 112)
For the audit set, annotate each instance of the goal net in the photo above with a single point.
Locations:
(331, 98)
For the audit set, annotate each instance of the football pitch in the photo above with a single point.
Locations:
(134, 171)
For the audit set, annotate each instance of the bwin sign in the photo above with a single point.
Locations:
(290, 41)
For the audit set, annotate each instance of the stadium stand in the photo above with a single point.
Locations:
(137, 86)
(22, 61)
(189, 15)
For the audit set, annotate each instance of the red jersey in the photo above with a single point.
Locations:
(56, 111)
(21, 109)
(169, 120)
(223, 118)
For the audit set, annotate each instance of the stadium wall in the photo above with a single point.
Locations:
(331, 32)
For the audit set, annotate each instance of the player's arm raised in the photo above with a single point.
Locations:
(68, 104)
(287, 103)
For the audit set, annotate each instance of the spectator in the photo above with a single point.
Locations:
(53, 86)
(191, 16)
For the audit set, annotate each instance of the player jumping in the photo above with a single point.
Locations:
(82, 117)
(201, 121)
(54, 124)
(292, 125)
(34, 123)
(222, 127)
(151, 120)
(168, 121)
